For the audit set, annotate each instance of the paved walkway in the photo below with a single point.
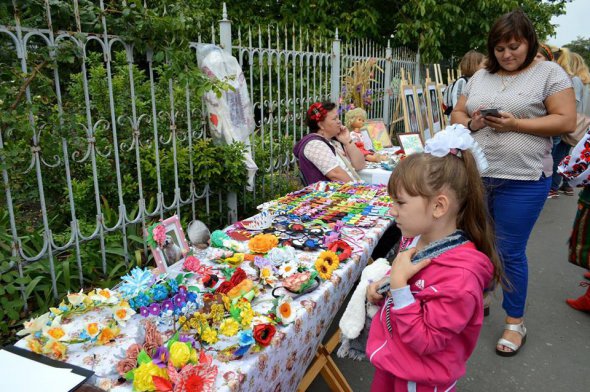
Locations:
(556, 356)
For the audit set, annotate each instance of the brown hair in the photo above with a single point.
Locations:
(470, 63)
(426, 175)
(579, 67)
(515, 25)
(313, 124)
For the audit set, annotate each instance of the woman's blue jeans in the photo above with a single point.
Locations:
(560, 150)
(514, 206)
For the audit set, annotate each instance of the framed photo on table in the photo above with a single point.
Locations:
(411, 142)
(411, 121)
(167, 243)
(378, 134)
(433, 103)
(425, 125)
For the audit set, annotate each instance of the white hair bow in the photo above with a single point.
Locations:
(453, 139)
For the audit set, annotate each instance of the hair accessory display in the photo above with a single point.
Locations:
(317, 112)
(452, 140)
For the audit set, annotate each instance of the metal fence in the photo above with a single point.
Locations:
(114, 130)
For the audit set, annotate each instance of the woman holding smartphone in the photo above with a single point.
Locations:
(535, 101)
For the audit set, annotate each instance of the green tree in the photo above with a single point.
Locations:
(581, 46)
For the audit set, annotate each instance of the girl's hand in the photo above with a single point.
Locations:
(506, 123)
(344, 135)
(372, 295)
(402, 268)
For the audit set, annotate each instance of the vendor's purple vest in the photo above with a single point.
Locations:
(310, 172)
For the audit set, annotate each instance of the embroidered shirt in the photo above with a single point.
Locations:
(325, 160)
(516, 155)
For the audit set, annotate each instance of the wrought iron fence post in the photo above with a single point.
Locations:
(226, 45)
(335, 79)
(417, 73)
(387, 86)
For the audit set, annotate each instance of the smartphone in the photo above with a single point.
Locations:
(384, 288)
(490, 112)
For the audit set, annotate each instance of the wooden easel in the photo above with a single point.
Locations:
(324, 364)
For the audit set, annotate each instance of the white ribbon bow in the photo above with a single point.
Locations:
(452, 138)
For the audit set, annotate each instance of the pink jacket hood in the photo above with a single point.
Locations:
(433, 337)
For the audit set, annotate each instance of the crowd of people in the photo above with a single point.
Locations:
(465, 208)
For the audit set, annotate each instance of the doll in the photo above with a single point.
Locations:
(354, 121)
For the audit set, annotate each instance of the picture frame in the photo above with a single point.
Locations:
(378, 134)
(425, 123)
(411, 121)
(434, 108)
(173, 249)
(411, 142)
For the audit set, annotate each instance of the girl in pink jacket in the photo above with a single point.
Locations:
(426, 329)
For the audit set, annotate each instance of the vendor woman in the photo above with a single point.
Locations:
(327, 153)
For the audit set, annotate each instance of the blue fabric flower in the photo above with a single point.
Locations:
(173, 285)
(142, 300)
(245, 338)
(160, 292)
(135, 282)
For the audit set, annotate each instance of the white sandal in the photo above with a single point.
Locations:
(520, 328)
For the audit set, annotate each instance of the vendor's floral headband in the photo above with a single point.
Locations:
(317, 112)
(454, 139)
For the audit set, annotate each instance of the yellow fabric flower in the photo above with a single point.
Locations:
(323, 269)
(330, 258)
(247, 315)
(229, 327)
(235, 260)
(217, 312)
(226, 301)
(142, 377)
(34, 345)
(107, 334)
(55, 349)
(180, 354)
(209, 335)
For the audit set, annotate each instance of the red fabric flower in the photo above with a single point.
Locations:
(237, 276)
(210, 280)
(317, 112)
(224, 287)
(263, 333)
(341, 248)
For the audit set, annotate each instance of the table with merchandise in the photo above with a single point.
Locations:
(246, 313)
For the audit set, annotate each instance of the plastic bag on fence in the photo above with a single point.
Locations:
(231, 117)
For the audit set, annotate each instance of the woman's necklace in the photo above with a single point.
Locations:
(506, 82)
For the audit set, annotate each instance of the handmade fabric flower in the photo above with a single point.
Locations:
(209, 335)
(224, 287)
(323, 269)
(262, 243)
(263, 333)
(229, 327)
(245, 338)
(180, 354)
(106, 296)
(238, 275)
(76, 298)
(55, 331)
(135, 282)
(285, 310)
(281, 255)
(330, 258)
(107, 335)
(341, 248)
(317, 112)
(191, 378)
(236, 259)
(161, 357)
(142, 377)
(55, 349)
(34, 325)
(287, 269)
(122, 313)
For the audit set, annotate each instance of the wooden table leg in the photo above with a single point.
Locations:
(325, 365)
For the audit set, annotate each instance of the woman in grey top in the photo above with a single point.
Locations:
(535, 100)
